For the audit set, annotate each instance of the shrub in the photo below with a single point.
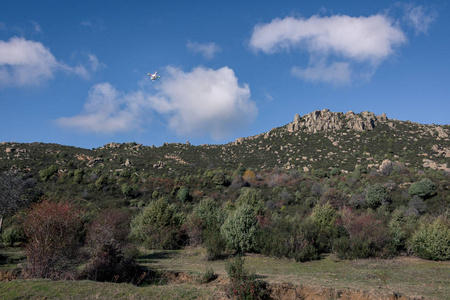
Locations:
(334, 197)
(183, 195)
(240, 228)
(158, 225)
(214, 242)
(53, 232)
(45, 174)
(423, 188)
(432, 241)
(208, 212)
(367, 236)
(243, 284)
(13, 234)
(208, 276)
(324, 217)
(109, 263)
(376, 195)
(252, 197)
(417, 206)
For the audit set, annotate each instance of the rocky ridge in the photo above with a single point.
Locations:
(324, 120)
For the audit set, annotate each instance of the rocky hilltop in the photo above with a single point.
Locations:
(318, 140)
(323, 120)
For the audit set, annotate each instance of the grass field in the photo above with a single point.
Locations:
(410, 277)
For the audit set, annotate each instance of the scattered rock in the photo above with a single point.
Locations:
(325, 120)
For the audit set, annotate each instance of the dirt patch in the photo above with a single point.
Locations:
(285, 291)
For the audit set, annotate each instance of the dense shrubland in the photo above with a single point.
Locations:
(291, 214)
(99, 206)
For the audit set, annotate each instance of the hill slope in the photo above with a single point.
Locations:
(318, 140)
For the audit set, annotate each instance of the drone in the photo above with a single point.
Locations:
(153, 77)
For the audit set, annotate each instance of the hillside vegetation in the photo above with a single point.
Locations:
(352, 186)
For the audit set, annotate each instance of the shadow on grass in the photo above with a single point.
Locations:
(153, 257)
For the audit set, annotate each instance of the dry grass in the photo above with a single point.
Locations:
(411, 277)
(407, 276)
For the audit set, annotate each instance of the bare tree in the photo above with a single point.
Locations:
(15, 193)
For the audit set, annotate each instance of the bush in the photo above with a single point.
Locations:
(183, 195)
(367, 236)
(208, 276)
(423, 188)
(243, 284)
(12, 235)
(417, 206)
(45, 174)
(109, 263)
(432, 241)
(324, 217)
(158, 225)
(376, 195)
(214, 242)
(240, 228)
(53, 232)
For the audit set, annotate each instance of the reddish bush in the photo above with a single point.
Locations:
(367, 235)
(52, 230)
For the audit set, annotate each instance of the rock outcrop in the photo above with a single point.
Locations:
(325, 120)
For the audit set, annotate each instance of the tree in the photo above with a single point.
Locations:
(432, 241)
(158, 225)
(376, 195)
(15, 193)
(240, 228)
(52, 230)
(423, 188)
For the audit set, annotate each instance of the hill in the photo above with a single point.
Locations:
(318, 140)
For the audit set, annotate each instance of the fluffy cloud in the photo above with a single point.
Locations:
(337, 73)
(208, 50)
(24, 62)
(106, 111)
(364, 38)
(205, 101)
(354, 40)
(197, 103)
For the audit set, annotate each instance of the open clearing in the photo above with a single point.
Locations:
(327, 278)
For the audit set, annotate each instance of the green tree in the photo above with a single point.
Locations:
(253, 198)
(240, 228)
(432, 241)
(183, 194)
(423, 188)
(45, 174)
(158, 225)
(376, 195)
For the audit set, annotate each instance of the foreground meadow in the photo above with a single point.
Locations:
(180, 272)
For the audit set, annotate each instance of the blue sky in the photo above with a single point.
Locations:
(74, 72)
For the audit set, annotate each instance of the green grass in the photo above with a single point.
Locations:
(411, 277)
(47, 289)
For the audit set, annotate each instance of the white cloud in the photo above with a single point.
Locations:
(337, 73)
(205, 101)
(342, 40)
(24, 62)
(363, 38)
(208, 50)
(106, 111)
(197, 103)
(418, 17)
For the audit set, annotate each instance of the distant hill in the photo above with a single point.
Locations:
(319, 140)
